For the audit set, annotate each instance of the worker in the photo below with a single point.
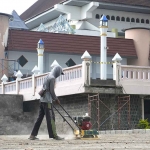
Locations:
(46, 105)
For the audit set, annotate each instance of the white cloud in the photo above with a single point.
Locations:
(7, 6)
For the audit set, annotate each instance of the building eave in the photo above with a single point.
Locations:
(52, 13)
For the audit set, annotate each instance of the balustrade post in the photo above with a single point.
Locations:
(4, 80)
(117, 72)
(17, 86)
(134, 74)
(139, 74)
(144, 75)
(86, 64)
(117, 68)
(3, 88)
(35, 71)
(33, 84)
(148, 75)
(18, 75)
(129, 74)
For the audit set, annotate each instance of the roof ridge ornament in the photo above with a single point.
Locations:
(62, 26)
(42, 28)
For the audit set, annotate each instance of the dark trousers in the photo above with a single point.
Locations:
(47, 110)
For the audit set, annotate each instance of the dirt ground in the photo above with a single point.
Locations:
(105, 142)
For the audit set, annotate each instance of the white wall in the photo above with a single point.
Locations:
(93, 33)
(96, 67)
(113, 24)
(31, 57)
(119, 24)
(61, 59)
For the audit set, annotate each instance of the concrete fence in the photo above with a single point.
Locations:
(134, 79)
(32, 85)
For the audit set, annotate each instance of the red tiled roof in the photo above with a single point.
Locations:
(20, 40)
(39, 7)
(142, 3)
(42, 5)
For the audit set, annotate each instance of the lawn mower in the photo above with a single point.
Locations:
(83, 124)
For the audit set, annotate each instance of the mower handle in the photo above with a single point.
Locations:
(69, 116)
(63, 118)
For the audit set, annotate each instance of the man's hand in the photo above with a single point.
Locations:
(57, 101)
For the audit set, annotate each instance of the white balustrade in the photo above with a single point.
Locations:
(10, 87)
(25, 83)
(135, 72)
(71, 73)
(39, 79)
(29, 87)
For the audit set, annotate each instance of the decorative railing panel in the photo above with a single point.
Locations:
(10, 87)
(71, 73)
(39, 80)
(134, 79)
(29, 87)
(135, 72)
(25, 84)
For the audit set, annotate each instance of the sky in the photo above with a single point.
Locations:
(7, 6)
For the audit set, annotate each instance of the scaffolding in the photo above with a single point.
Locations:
(93, 105)
(100, 113)
(124, 110)
(10, 68)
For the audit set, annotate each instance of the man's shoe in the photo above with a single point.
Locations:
(58, 138)
(33, 138)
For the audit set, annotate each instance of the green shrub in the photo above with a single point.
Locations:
(144, 124)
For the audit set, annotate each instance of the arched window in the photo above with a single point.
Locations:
(147, 21)
(97, 16)
(118, 18)
(142, 21)
(132, 20)
(122, 19)
(137, 20)
(127, 19)
(112, 18)
(108, 17)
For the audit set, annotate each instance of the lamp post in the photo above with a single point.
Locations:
(40, 50)
(103, 31)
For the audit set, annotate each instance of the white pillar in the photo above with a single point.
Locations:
(117, 68)
(4, 80)
(142, 101)
(35, 71)
(18, 75)
(86, 64)
(103, 56)
(40, 50)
